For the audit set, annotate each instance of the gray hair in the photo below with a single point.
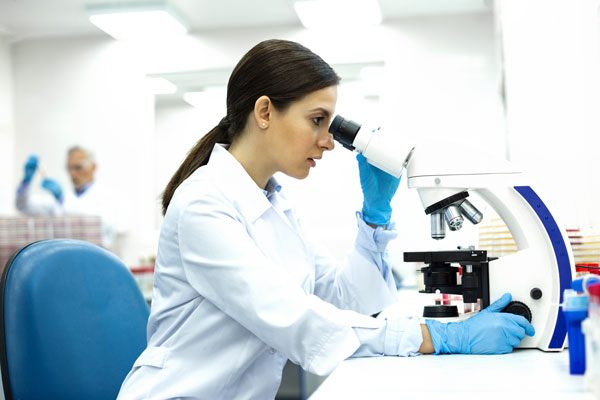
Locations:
(90, 156)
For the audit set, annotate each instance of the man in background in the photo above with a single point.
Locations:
(87, 198)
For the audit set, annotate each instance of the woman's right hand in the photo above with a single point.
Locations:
(488, 332)
(378, 189)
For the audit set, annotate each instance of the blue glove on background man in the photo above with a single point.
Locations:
(30, 168)
(488, 332)
(53, 187)
(378, 189)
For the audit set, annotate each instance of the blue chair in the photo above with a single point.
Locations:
(72, 322)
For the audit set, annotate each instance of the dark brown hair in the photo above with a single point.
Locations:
(282, 70)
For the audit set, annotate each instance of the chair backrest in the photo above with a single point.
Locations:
(72, 322)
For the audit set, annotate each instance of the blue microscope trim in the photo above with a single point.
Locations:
(562, 257)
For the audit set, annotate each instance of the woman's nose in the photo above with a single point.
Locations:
(327, 143)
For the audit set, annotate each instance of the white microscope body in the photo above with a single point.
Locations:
(540, 270)
(543, 260)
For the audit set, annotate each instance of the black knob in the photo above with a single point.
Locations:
(518, 308)
(441, 311)
(536, 293)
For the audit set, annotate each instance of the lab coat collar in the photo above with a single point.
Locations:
(235, 182)
(272, 187)
(83, 189)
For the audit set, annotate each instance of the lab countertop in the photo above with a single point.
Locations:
(522, 374)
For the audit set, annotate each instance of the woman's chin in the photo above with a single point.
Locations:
(299, 174)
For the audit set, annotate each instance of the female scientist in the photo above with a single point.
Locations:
(239, 289)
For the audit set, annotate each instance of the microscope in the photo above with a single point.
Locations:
(536, 275)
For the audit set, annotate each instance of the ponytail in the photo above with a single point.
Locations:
(196, 157)
(282, 70)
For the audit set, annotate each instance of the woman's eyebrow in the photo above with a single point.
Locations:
(325, 111)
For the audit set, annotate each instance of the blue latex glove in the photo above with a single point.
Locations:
(30, 168)
(488, 332)
(53, 187)
(378, 188)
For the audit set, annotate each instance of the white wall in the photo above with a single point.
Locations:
(90, 91)
(441, 81)
(7, 134)
(552, 52)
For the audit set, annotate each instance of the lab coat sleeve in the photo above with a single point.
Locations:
(30, 204)
(223, 263)
(400, 336)
(109, 231)
(364, 283)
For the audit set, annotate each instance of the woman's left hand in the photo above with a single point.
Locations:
(378, 189)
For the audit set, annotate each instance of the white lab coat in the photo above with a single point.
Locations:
(238, 291)
(94, 201)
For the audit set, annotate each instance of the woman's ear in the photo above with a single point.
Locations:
(263, 111)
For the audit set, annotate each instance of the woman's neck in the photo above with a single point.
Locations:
(251, 155)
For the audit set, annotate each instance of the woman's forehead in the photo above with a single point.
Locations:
(323, 98)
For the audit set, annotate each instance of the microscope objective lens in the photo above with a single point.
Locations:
(438, 228)
(453, 217)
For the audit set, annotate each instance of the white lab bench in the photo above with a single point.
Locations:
(523, 374)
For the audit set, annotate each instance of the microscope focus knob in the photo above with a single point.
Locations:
(518, 308)
(536, 293)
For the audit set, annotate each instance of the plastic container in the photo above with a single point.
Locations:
(581, 284)
(575, 310)
(591, 329)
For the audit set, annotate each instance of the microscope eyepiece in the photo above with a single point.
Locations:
(344, 131)
(372, 144)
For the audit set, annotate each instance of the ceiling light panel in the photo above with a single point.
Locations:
(319, 14)
(148, 20)
(160, 85)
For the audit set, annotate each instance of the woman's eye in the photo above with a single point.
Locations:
(317, 120)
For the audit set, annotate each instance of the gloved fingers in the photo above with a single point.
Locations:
(361, 159)
(378, 188)
(516, 329)
(32, 160)
(516, 332)
(50, 184)
(363, 166)
(53, 187)
(522, 323)
(381, 175)
(364, 171)
(514, 335)
(499, 304)
(514, 340)
(30, 167)
(530, 330)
